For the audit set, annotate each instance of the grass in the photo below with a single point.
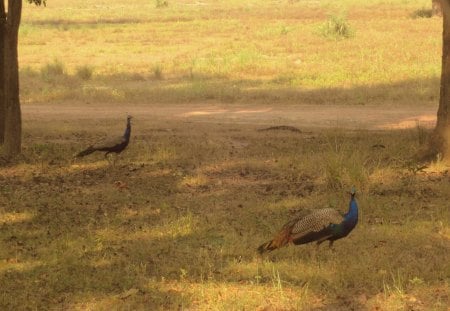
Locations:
(336, 27)
(84, 72)
(52, 71)
(422, 13)
(175, 223)
(182, 232)
(162, 3)
(233, 51)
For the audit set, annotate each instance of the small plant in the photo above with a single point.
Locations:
(54, 69)
(397, 287)
(84, 72)
(276, 280)
(284, 30)
(336, 27)
(421, 134)
(158, 72)
(422, 13)
(162, 3)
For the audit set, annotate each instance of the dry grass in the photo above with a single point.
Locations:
(181, 228)
(232, 51)
(175, 223)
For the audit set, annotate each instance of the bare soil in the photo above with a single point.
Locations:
(302, 116)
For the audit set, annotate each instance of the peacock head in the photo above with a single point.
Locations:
(129, 117)
(353, 191)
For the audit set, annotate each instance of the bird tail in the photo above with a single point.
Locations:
(281, 239)
(85, 152)
(266, 247)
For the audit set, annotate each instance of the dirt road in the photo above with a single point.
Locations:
(324, 116)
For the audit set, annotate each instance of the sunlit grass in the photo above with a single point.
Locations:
(229, 51)
(13, 265)
(9, 218)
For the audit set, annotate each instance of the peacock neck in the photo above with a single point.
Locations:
(127, 130)
(351, 217)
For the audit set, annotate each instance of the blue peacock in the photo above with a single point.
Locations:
(319, 225)
(115, 144)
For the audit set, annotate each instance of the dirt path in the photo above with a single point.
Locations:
(325, 116)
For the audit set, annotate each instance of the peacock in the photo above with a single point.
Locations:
(319, 225)
(116, 144)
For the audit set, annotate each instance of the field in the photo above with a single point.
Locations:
(174, 222)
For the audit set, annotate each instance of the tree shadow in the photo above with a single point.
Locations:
(73, 237)
(193, 88)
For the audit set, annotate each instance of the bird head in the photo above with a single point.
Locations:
(129, 117)
(353, 191)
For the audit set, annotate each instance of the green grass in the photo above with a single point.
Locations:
(336, 27)
(184, 229)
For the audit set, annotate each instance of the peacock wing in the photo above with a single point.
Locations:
(299, 215)
(108, 142)
(316, 221)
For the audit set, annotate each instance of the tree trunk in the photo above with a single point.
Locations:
(436, 7)
(2, 70)
(440, 139)
(13, 122)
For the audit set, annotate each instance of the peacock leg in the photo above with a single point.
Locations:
(331, 245)
(108, 158)
(115, 159)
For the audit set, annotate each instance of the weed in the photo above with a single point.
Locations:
(276, 280)
(52, 71)
(157, 72)
(422, 13)
(422, 133)
(161, 3)
(84, 72)
(344, 165)
(336, 27)
(396, 286)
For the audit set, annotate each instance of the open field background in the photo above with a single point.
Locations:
(229, 51)
(174, 224)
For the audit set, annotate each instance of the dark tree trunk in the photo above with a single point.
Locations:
(440, 139)
(13, 122)
(2, 70)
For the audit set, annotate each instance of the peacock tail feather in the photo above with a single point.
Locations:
(316, 226)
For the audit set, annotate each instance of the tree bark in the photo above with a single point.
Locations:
(13, 120)
(440, 139)
(2, 71)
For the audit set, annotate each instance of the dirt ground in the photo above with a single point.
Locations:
(302, 116)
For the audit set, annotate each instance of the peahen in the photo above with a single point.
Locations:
(116, 144)
(319, 225)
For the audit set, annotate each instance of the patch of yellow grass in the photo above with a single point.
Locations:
(228, 51)
(15, 217)
(13, 264)
(195, 181)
